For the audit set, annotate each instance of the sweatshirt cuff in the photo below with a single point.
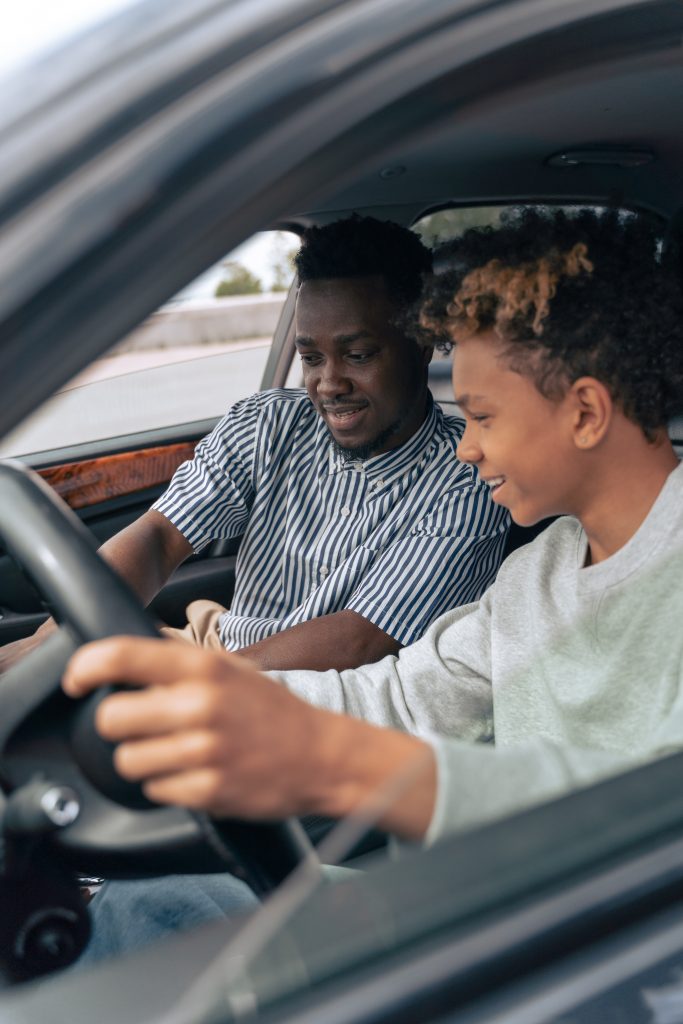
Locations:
(437, 825)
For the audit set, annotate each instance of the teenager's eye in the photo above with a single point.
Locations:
(481, 418)
(359, 357)
(309, 360)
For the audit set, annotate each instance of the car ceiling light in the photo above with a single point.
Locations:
(601, 158)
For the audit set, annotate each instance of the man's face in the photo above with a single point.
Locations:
(520, 442)
(365, 378)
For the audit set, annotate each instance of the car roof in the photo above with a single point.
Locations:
(588, 115)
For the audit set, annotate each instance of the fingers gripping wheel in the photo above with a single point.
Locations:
(95, 756)
(262, 853)
(91, 602)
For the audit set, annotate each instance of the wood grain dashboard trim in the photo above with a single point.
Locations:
(91, 481)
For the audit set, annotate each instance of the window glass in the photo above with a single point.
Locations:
(435, 229)
(191, 360)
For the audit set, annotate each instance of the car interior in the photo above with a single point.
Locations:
(530, 110)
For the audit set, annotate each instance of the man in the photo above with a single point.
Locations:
(360, 526)
(568, 365)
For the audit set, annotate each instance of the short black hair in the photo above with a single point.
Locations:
(571, 294)
(363, 247)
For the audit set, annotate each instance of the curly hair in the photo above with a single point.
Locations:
(362, 247)
(586, 293)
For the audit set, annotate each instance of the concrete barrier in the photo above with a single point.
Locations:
(207, 321)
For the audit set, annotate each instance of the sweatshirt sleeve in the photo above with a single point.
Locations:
(442, 683)
(476, 783)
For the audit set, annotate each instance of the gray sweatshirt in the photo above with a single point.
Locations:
(559, 676)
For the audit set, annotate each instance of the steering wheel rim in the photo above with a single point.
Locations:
(59, 554)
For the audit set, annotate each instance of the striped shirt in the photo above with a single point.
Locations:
(398, 538)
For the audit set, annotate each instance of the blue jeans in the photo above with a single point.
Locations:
(126, 916)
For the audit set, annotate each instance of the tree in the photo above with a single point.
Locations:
(238, 281)
(283, 262)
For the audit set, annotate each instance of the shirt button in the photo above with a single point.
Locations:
(359, 467)
(345, 511)
(324, 571)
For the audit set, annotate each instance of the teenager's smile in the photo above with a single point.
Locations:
(494, 483)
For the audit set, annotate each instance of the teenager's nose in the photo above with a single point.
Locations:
(468, 450)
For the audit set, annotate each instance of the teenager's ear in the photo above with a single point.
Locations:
(592, 409)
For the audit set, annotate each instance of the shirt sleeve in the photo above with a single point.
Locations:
(210, 497)
(448, 559)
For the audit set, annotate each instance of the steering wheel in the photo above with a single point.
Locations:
(116, 831)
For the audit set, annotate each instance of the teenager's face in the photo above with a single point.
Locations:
(365, 378)
(520, 442)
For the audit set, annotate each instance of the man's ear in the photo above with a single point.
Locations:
(427, 352)
(592, 409)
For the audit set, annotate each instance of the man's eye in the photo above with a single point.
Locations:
(480, 417)
(359, 357)
(309, 360)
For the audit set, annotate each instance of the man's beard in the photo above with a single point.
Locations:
(365, 451)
